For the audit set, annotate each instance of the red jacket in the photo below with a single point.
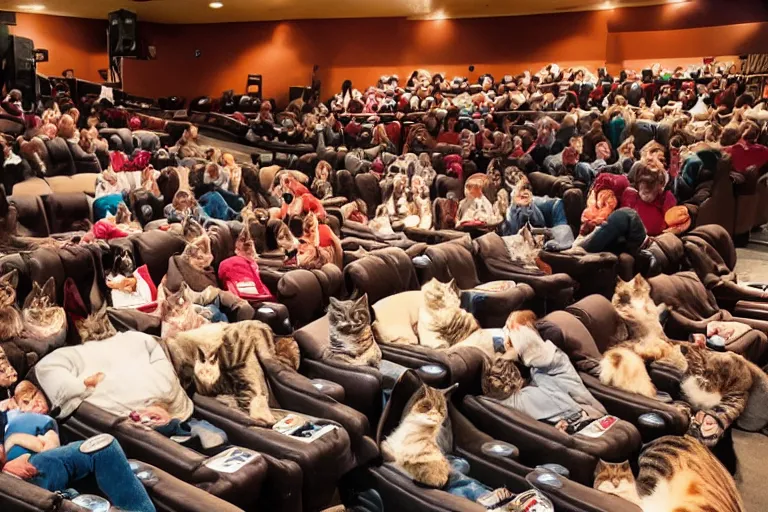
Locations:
(745, 155)
(652, 214)
(241, 277)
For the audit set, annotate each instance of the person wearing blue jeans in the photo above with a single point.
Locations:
(541, 212)
(31, 451)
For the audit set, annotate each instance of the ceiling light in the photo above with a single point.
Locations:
(215, 5)
(438, 15)
(32, 7)
(606, 6)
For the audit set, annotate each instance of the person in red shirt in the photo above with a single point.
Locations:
(449, 135)
(649, 199)
(747, 152)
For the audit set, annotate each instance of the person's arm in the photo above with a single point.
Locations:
(26, 441)
(59, 380)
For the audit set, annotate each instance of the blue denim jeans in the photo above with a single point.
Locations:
(216, 207)
(62, 467)
(459, 484)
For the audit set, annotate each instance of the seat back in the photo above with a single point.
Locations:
(62, 163)
(570, 335)
(382, 273)
(720, 240)
(43, 264)
(453, 260)
(599, 317)
(154, 248)
(81, 182)
(32, 219)
(68, 212)
(369, 191)
(32, 187)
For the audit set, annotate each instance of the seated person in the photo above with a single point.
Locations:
(602, 200)
(476, 210)
(211, 206)
(554, 393)
(239, 274)
(31, 451)
(539, 212)
(649, 199)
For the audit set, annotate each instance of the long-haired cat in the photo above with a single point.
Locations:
(442, 322)
(623, 366)
(414, 445)
(351, 337)
(244, 246)
(223, 360)
(677, 473)
(191, 229)
(524, 247)
(312, 254)
(198, 252)
(177, 312)
(41, 316)
(96, 326)
(11, 324)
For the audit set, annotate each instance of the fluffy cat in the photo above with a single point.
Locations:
(96, 326)
(623, 366)
(442, 322)
(122, 264)
(198, 252)
(524, 247)
(501, 378)
(414, 444)
(177, 312)
(677, 474)
(244, 246)
(191, 229)
(223, 361)
(11, 324)
(351, 337)
(41, 316)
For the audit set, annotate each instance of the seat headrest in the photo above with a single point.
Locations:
(599, 317)
(718, 237)
(453, 260)
(569, 334)
(405, 389)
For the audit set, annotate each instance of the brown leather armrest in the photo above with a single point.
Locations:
(751, 309)
(575, 496)
(16, 494)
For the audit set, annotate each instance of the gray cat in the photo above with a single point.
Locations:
(351, 337)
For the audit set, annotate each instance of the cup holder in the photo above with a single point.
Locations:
(555, 468)
(500, 449)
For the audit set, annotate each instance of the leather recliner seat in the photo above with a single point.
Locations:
(482, 451)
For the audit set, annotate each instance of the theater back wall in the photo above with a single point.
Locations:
(364, 49)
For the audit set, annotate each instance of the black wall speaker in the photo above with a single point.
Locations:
(20, 70)
(123, 40)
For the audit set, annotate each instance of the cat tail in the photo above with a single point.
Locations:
(260, 334)
(622, 368)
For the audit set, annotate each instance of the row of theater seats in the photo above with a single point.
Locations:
(583, 330)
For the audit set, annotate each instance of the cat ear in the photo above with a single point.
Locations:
(11, 278)
(49, 289)
(447, 392)
(363, 301)
(626, 466)
(454, 287)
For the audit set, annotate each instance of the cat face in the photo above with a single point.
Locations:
(244, 246)
(198, 252)
(309, 226)
(635, 294)
(613, 478)
(176, 304)
(349, 316)
(8, 284)
(207, 369)
(439, 295)
(191, 229)
(429, 406)
(123, 264)
(284, 238)
(96, 326)
(40, 304)
(501, 378)
(8, 375)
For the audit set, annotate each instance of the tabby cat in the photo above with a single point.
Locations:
(244, 246)
(41, 315)
(623, 366)
(96, 326)
(442, 322)
(414, 445)
(198, 253)
(501, 378)
(191, 229)
(11, 324)
(351, 337)
(677, 474)
(524, 247)
(223, 361)
(177, 311)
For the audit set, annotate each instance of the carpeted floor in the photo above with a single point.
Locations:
(752, 448)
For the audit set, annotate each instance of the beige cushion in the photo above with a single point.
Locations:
(32, 187)
(397, 317)
(85, 182)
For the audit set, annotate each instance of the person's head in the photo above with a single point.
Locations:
(8, 374)
(212, 170)
(74, 114)
(522, 194)
(67, 126)
(68, 73)
(29, 398)
(183, 200)
(15, 95)
(750, 131)
(570, 156)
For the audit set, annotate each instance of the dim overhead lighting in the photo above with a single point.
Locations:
(215, 5)
(607, 6)
(438, 15)
(32, 7)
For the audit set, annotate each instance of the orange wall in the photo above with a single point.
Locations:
(363, 49)
(75, 43)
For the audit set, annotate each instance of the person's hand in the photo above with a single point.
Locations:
(20, 468)
(93, 380)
